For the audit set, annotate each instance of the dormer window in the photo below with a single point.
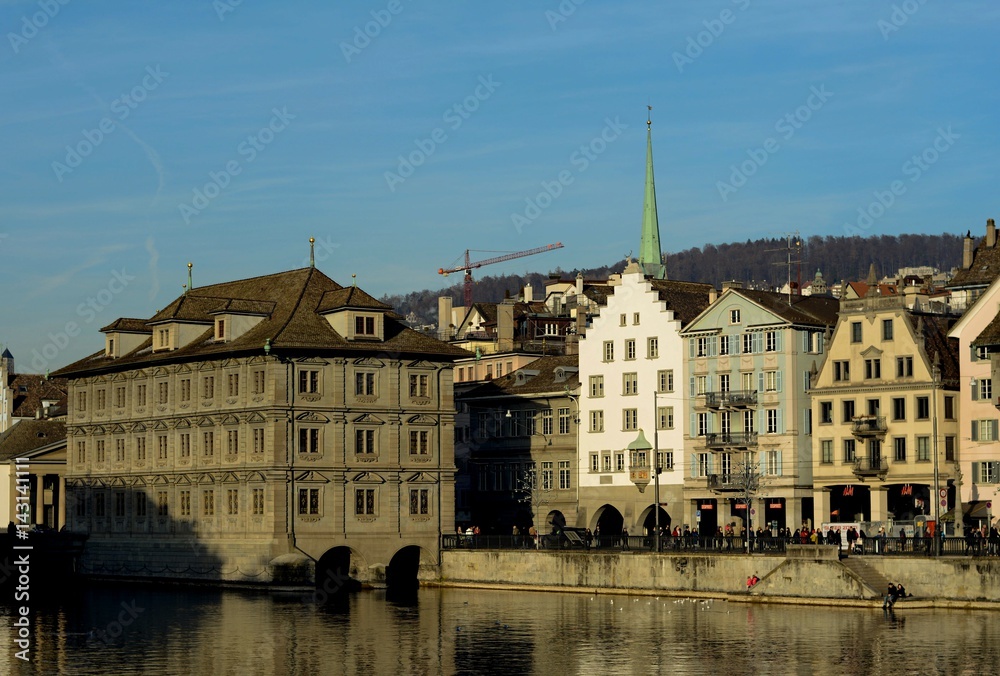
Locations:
(364, 326)
(220, 329)
(162, 339)
(110, 351)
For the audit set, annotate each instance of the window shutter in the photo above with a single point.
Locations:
(805, 341)
(781, 427)
(975, 430)
(711, 465)
(806, 381)
(975, 392)
(758, 342)
(734, 344)
(691, 348)
(761, 421)
(694, 465)
(760, 382)
(779, 463)
(975, 473)
(710, 423)
(995, 475)
(993, 425)
(691, 383)
(820, 342)
(761, 462)
(778, 379)
(694, 426)
(709, 384)
(777, 341)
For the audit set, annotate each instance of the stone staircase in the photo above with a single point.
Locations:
(872, 579)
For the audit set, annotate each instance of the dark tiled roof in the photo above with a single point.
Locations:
(686, 299)
(816, 310)
(295, 325)
(28, 435)
(990, 335)
(937, 344)
(29, 390)
(349, 297)
(246, 307)
(545, 381)
(984, 269)
(598, 293)
(127, 325)
(861, 289)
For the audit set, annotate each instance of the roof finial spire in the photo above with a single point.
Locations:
(650, 254)
(312, 252)
(190, 284)
(354, 279)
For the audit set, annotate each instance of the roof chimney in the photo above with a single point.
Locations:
(967, 251)
(529, 293)
(579, 282)
(505, 326)
(991, 233)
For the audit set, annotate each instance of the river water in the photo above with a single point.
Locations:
(124, 629)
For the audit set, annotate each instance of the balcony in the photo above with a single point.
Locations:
(875, 467)
(723, 483)
(731, 399)
(724, 440)
(868, 426)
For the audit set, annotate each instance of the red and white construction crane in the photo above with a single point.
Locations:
(468, 267)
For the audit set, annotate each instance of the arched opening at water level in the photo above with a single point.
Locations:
(401, 573)
(333, 572)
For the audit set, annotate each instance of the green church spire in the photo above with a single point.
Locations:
(650, 254)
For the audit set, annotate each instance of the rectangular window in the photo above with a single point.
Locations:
(986, 388)
(364, 442)
(949, 407)
(630, 349)
(81, 401)
(748, 421)
(308, 440)
(923, 449)
(419, 501)
(419, 442)
(208, 444)
(635, 318)
(771, 341)
(185, 503)
(702, 424)
(899, 408)
(949, 449)
(984, 430)
(873, 369)
(208, 502)
(886, 329)
(185, 444)
(140, 449)
(704, 464)
(988, 472)
(609, 351)
(565, 479)
(548, 476)
(232, 501)
(258, 440)
(596, 386)
(186, 389)
(665, 417)
(364, 326)
(630, 383)
(119, 450)
(597, 421)
(140, 504)
(841, 371)
(630, 418)
(99, 505)
(904, 367)
(309, 501)
(619, 462)
(734, 316)
(100, 450)
(849, 451)
(258, 381)
(621, 319)
(700, 385)
(652, 348)
(724, 382)
(848, 411)
(773, 416)
(232, 442)
(606, 462)
(874, 406)
(81, 452)
(119, 397)
(855, 332)
(826, 451)
(899, 449)
(724, 345)
(101, 399)
(665, 380)
(364, 501)
(162, 503)
(420, 386)
(772, 463)
(257, 496)
(546, 421)
(161, 447)
(119, 503)
(923, 408)
(666, 459)
(364, 384)
(771, 381)
(825, 412)
(309, 382)
(233, 385)
(564, 421)
(595, 462)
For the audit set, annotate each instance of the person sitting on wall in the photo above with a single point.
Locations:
(890, 596)
(752, 581)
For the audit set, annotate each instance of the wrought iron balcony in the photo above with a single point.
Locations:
(731, 399)
(723, 483)
(868, 426)
(877, 467)
(721, 440)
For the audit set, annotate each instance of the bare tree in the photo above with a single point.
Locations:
(750, 484)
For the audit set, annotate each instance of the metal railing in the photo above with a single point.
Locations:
(735, 398)
(871, 466)
(730, 439)
(868, 425)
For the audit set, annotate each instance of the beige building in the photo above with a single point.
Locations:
(885, 414)
(259, 426)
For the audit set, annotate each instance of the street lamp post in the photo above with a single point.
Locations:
(939, 527)
(639, 473)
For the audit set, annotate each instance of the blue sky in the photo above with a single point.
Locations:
(295, 119)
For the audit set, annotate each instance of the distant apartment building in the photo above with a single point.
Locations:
(750, 356)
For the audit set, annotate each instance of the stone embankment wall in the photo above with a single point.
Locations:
(809, 573)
